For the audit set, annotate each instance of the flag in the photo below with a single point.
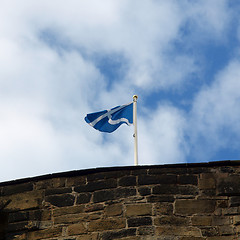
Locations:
(110, 120)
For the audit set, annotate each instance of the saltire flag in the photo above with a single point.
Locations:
(110, 120)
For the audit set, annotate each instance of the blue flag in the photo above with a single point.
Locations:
(110, 120)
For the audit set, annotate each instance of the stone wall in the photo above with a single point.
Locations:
(171, 202)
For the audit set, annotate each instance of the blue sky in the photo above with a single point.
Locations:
(60, 61)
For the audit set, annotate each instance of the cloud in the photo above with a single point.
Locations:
(53, 70)
(215, 115)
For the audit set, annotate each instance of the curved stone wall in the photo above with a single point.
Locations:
(171, 202)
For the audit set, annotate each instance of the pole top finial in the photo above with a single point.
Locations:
(135, 97)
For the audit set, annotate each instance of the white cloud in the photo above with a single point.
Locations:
(215, 116)
(49, 80)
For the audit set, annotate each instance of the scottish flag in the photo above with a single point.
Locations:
(110, 120)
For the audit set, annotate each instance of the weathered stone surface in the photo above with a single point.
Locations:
(44, 234)
(138, 209)
(54, 191)
(157, 179)
(139, 221)
(106, 224)
(68, 210)
(113, 210)
(76, 229)
(62, 200)
(83, 198)
(104, 195)
(18, 188)
(229, 186)
(178, 231)
(98, 185)
(24, 201)
(119, 234)
(127, 181)
(144, 191)
(201, 220)
(171, 220)
(163, 208)
(189, 207)
(187, 179)
(144, 203)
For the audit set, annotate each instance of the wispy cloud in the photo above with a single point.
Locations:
(62, 60)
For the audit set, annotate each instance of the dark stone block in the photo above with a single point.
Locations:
(140, 221)
(144, 191)
(118, 234)
(18, 216)
(127, 181)
(55, 191)
(175, 189)
(235, 201)
(104, 195)
(98, 185)
(188, 179)
(83, 198)
(124, 192)
(157, 179)
(165, 198)
(61, 200)
(21, 226)
(19, 188)
(229, 186)
(107, 175)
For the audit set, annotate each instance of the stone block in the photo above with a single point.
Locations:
(220, 220)
(113, 210)
(83, 198)
(68, 210)
(201, 220)
(179, 231)
(54, 191)
(171, 220)
(187, 179)
(209, 231)
(189, 207)
(89, 236)
(175, 189)
(70, 218)
(62, 200)
(146, 230)
(229, 186)
(127, 181)
(17, 188)
(207, 181)
(138, 209)
(76, 229)
(235, 201)
(157, 179)
(94, 207)
(163, 208)
(98, 185)
(236, 220)
(124, 192)
(106, 224)
(45, 234)
(24, 201)
(226, 230)
(75, 181)
(118, 234)
(144, 191)
(139, 221)
(103, 195)
(160, 198)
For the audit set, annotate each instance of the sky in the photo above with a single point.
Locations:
(61, 60)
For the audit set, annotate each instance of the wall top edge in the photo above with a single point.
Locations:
(74, 173)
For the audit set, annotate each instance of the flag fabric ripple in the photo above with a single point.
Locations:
(110, 120)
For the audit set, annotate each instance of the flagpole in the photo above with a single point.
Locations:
(135, 97)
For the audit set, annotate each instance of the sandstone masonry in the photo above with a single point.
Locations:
(170, 202)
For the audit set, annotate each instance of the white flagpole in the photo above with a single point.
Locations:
(135, 97)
